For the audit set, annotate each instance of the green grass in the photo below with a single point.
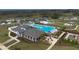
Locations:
(65, 45)
(11, 42)
(24, 45)
(3, 34)
(64, 48)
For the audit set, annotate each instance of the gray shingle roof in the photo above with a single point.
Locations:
(28, 30)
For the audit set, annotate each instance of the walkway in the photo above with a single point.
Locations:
(9, 41)
(54, 41)
(2, 47)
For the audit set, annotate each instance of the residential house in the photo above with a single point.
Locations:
(72, 36)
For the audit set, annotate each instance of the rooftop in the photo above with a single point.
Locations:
(28, 30)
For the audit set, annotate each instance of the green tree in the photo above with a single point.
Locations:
(62, 28)
(55, 16)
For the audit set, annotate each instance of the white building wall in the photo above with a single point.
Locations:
(29, 38)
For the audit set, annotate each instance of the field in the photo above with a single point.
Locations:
(25, 45)
(64, 48)
(65, 45)
(3, 34)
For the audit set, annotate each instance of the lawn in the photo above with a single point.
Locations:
(24, 45)
(3, 34)
(64, 48)
(65, 45)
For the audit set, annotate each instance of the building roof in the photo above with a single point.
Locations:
(28, 30)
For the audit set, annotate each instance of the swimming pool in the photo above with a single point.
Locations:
(44, 28)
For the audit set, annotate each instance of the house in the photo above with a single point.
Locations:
(10, 20)
(72, 37)
(8, 23)
(44, 22)
(27, 32)
(3, 22)
(73, 18)
(68, 24)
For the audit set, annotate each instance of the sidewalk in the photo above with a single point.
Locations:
(3, 47)
(54, 41)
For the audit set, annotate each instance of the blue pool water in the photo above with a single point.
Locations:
(44, 28)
